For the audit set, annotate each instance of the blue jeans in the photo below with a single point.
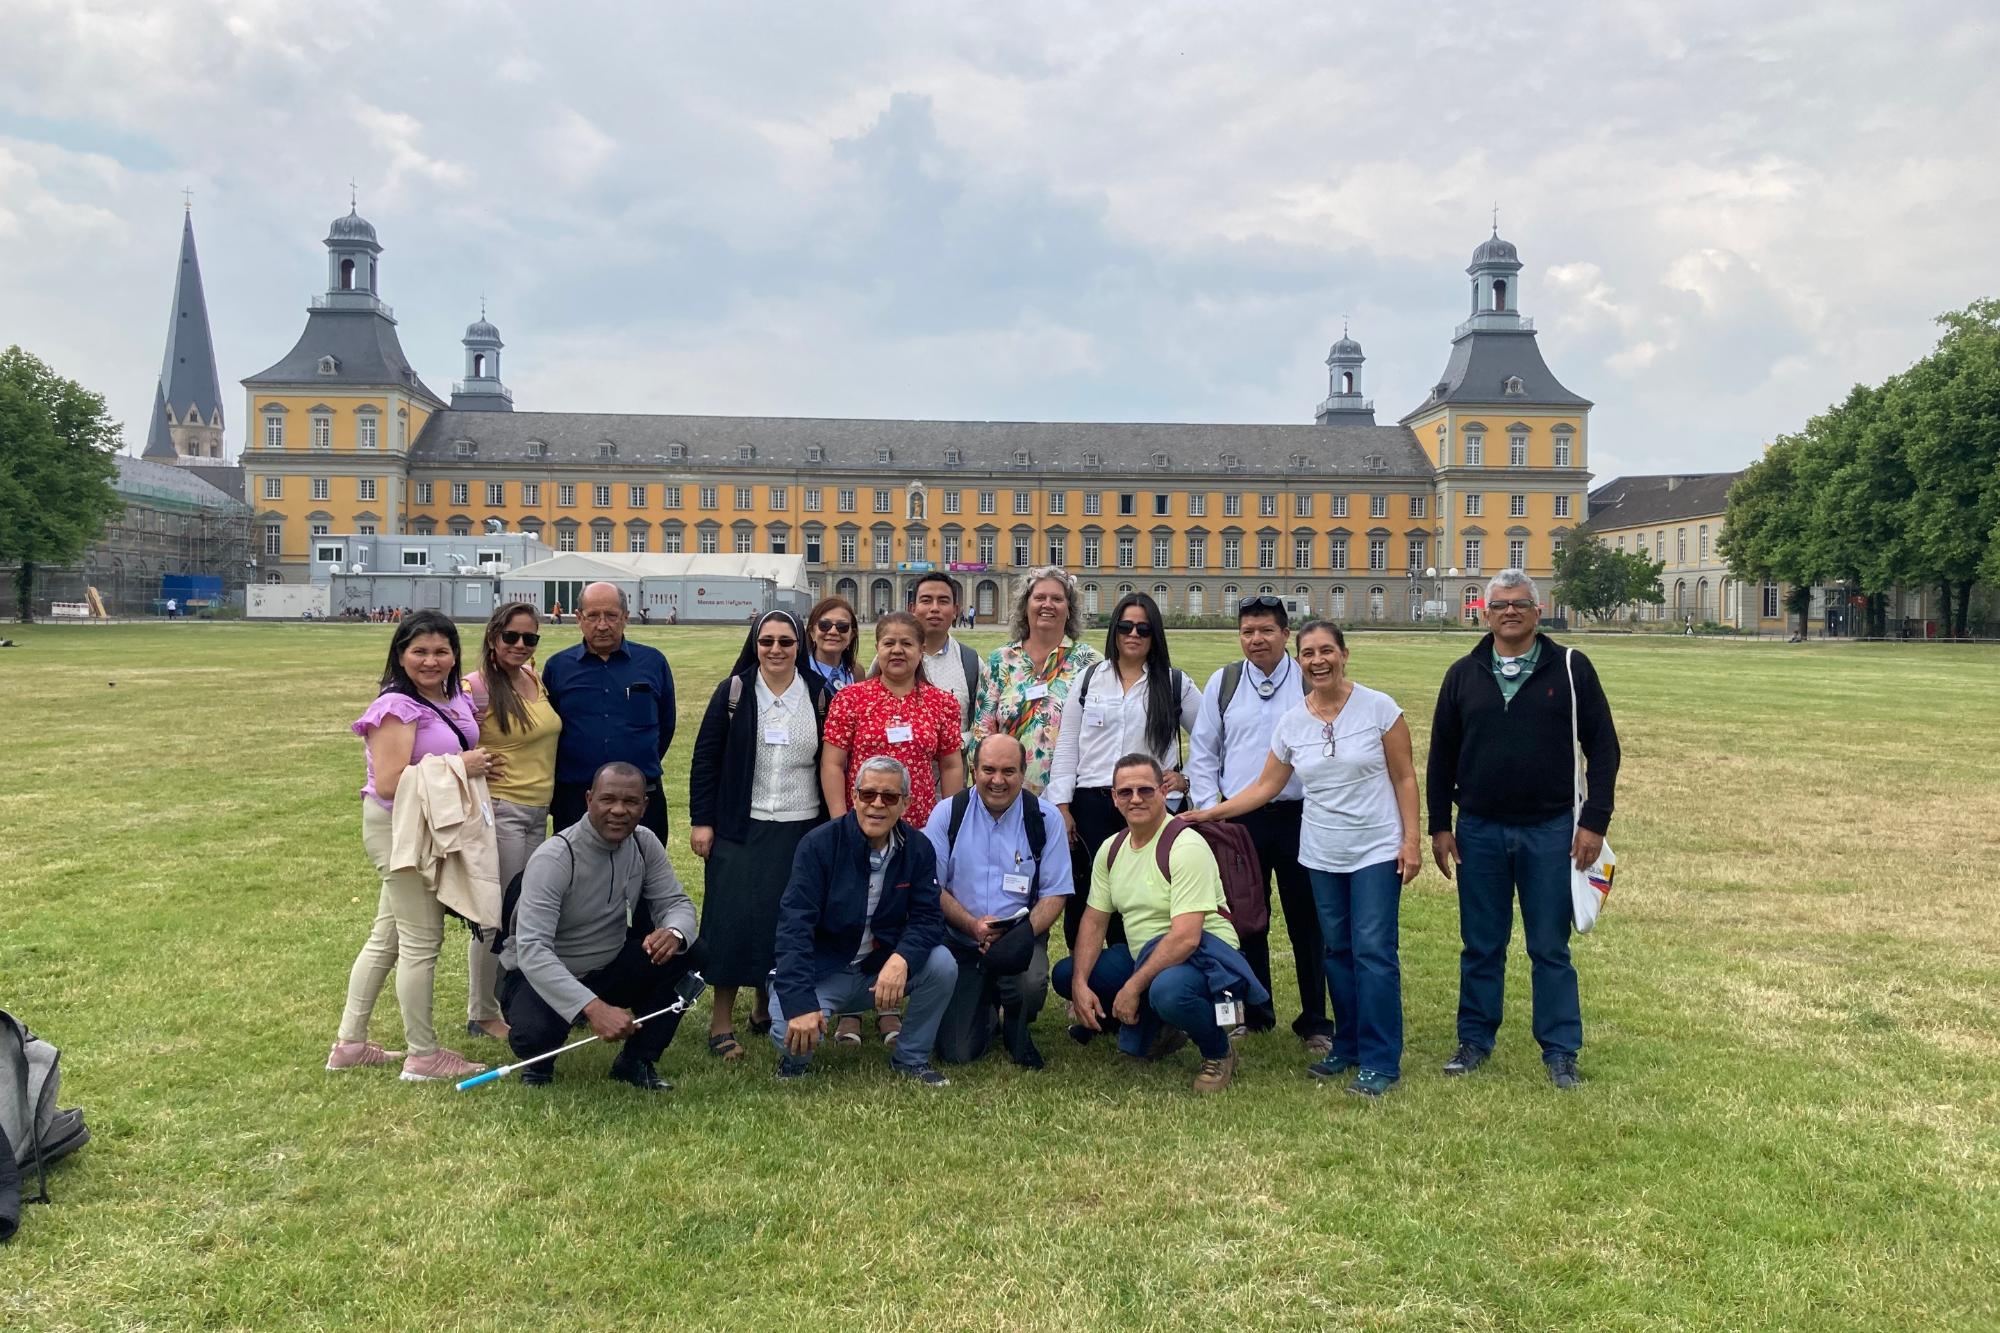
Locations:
(1357, 921)
(1495, 862)
(849, 991)
(1178, 997)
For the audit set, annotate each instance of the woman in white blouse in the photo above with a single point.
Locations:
(1134, 701)
(753, 792)
(1358, 840)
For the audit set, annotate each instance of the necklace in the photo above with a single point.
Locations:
(1266, 688)
(1339, 704)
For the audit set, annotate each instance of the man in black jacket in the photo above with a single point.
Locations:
(860, 927)
(1501, 748)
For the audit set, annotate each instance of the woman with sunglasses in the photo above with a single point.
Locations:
(753, 792)
(1021, 692)
(1350, 747)
(1135, 701)
(830, 625)
(518, 723)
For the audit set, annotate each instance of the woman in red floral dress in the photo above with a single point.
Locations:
(898, 713)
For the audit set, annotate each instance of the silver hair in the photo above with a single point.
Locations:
(1072, 627)
(884, 763)
(1512, 578)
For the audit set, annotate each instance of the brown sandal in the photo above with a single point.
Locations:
(725, 1045)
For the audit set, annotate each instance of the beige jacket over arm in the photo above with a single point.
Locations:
(444, 830)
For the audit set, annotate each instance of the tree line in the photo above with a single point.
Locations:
(1897, 485)
(56, 469)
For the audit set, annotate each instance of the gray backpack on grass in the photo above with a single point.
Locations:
(32, 1130)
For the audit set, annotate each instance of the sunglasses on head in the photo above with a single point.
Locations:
(510, 637)
(1261, 601)
(1133, 793)
(769, 642)
(835, 626)
(1142, 628)
(863, 796)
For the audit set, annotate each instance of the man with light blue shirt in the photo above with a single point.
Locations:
(1004, 872)
(1226, 752)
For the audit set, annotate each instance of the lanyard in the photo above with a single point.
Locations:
(1044, 677)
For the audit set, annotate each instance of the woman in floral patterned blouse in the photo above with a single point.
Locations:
(1025, 683)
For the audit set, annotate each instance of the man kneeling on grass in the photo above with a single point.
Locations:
(573, 950)
(1187, 972)
(859, 926)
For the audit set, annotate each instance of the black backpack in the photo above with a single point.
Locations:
(510, 898)
(32, 1129)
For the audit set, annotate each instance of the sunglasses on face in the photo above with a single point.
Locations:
(510, 637)
(834, 626)
(1262, 601)
(777, 643)
(1142, 628)
(1515, 604)
(866, 797)
(1133, 793)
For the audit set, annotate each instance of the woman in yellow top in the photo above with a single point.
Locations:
(515, 719)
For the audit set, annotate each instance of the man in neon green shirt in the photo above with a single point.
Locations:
(1186, 973)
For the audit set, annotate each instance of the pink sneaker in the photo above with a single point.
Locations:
(348, 1054)
(439, 1066)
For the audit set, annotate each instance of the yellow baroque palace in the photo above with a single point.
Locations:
(1364, 522)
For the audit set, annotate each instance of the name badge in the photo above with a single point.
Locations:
(1014, 884)
(900, 733)
(1095, 717)
(779, 735)
(1228, 1013)
(1036, 691)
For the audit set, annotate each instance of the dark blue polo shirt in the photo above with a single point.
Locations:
(620, 708)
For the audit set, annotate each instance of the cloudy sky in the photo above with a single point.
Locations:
(1729, 212)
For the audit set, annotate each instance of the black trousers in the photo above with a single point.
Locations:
(567, 806)
(1097, 819)
(980, 1003)
(631, 980)
(1275, 830)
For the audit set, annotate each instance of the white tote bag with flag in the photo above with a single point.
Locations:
(1589, 888)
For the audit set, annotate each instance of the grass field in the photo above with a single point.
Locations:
(1792, 1015)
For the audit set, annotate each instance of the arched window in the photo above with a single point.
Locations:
(1194, 599)
(1305, 596)
(1472, 601)
(1336, 603)
(1701, 606)
(845, 588)
(1377, 603)
(1230, 595)
(347, 275)
(1160, 596)
(1347, 381)
(1500, 293)
(1090, 599)
(1680, 596)
(479, 365)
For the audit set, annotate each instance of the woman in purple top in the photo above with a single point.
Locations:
(421, 711)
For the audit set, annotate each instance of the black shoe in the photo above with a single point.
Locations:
(923, 1074)
(538, 1076)
(1026, 1056)
(639, 1073)
(1466, 1058)
(1562, 1072)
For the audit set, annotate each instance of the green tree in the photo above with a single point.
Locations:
(1594, 580)
(1638, 579)
(56, 467)
(1765, 528)
(1950, 405)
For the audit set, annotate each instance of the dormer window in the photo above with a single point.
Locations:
(1300, 462)
(1231, 463)
(1020, 458)
(815, 454)
(745, 452)
(677, 451)
(1091, 458)
(606, 449)
(329, 365)
(536, 449)
(952, 457)
(1514, 386)
(883, 455)
(1375, 463)
(1160, 459)
(463, 448)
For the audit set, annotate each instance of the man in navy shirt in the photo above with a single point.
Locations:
(616, 701)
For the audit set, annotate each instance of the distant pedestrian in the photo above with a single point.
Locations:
(1501, 750)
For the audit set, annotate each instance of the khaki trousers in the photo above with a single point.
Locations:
(517, 831)
(408, 932)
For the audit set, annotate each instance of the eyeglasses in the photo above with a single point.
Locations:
(1262, 601)
(510, 637)
(1326, 736)
(863, 796)
(1516, 604)
(1133, 793)
(1142, 628)
(777, 643)
(835, 626)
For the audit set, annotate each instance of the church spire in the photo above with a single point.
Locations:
(187, 404)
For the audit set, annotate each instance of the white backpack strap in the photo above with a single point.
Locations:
(1575, 738)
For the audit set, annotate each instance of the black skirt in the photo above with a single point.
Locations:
(741, 887)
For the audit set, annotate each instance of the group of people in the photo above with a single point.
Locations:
(900, 837)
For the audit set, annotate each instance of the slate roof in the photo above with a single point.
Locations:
(144, 479)
(1483, 361)
(187, 375)
(571, 438)
(1637, 502)
(364, 344)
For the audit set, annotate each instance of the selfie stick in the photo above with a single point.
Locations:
(494, 1075)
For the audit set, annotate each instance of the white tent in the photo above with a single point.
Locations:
(667, 587)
